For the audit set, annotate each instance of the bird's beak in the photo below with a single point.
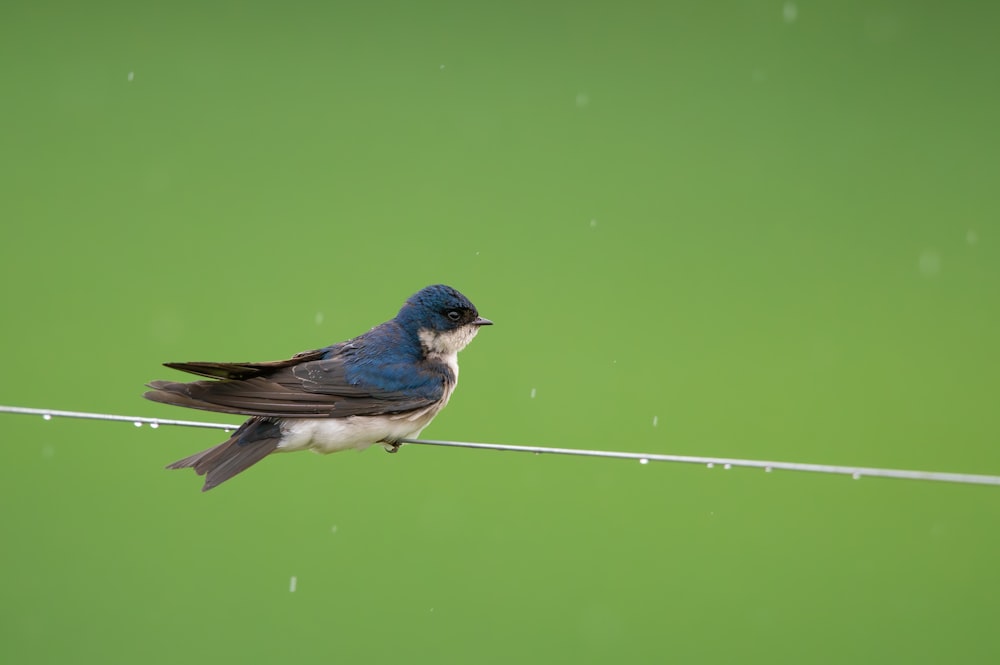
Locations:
(482, 322)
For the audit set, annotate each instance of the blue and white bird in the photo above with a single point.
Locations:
(380, 387)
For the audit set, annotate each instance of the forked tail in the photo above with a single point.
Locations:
(253, 441)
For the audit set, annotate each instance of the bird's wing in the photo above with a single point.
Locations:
(306, 386)
(243, 370)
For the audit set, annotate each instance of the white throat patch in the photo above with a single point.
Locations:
(446, 345)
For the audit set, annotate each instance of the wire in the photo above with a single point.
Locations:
(49, 414)
(855, 472)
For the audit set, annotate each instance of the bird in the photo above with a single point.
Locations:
(382, 386)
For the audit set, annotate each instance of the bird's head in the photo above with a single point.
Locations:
(443, 319)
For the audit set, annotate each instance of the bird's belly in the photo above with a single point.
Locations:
(330, 435)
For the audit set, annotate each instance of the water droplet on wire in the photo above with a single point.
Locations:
(154, 425)
(644, 461)
(711, 465)
(137, 424)
(856, 476)
(47, 416)
(727, 466)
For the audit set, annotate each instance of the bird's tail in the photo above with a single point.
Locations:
(253, 441)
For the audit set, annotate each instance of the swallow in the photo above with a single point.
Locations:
(383, 386)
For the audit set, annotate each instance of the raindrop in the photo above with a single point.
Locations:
(644, 461)
(226, 431)
(790, 12)
(710, 465)
(727, 466)
(767, 469)
(154, 425)
(137, 424)
(292, 584)
(656, 420)
(856, 476)
(47, 416)
(533, 393)
(929, 263)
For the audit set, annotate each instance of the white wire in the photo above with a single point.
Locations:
(643, 458)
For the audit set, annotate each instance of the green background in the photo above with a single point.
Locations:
(773, 227)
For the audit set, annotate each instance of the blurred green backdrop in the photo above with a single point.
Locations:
(773, 227)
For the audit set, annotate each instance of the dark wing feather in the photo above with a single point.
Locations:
(305, 386)
(243, 370)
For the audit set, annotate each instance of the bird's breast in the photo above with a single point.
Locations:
(331, 435)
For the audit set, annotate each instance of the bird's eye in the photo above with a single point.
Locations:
(453, 315)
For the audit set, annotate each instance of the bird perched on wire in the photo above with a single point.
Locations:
(380, 387)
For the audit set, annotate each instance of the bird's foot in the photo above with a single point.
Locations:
(391, 447)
